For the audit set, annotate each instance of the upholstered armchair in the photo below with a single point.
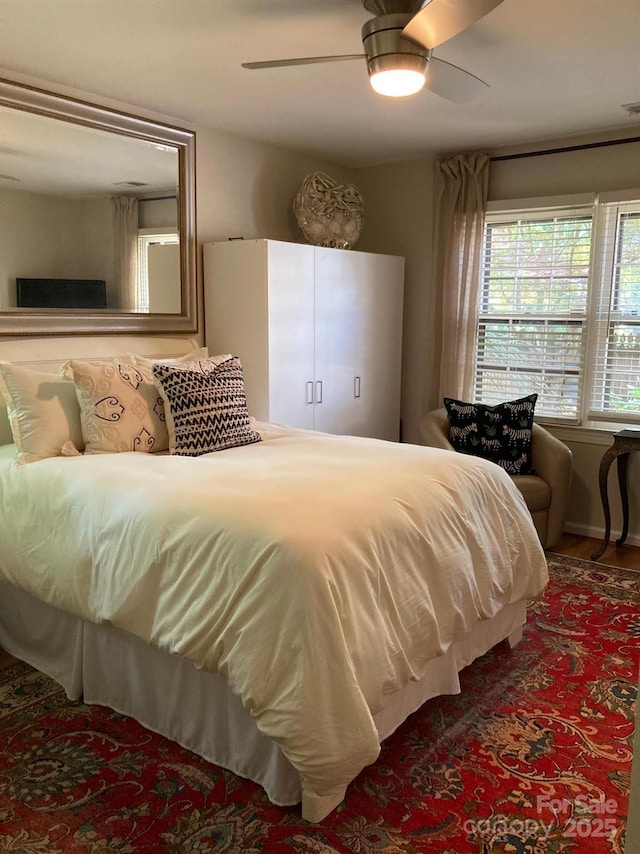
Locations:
(546, 492)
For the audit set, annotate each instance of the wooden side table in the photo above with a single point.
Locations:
(624, 442)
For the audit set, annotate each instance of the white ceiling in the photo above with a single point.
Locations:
(555, 67)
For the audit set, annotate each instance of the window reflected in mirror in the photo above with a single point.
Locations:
(158, 266)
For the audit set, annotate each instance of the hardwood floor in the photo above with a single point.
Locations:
(5, 659)
(573, 545)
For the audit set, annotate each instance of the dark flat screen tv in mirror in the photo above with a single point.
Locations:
(61, 293)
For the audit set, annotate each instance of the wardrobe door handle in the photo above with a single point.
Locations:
(310, 391)
(319, 391)
(356, 386)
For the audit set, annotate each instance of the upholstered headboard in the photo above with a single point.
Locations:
(49, 354)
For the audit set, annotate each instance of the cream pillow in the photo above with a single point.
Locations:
(193, 356)
(43, 412)
(120, 408)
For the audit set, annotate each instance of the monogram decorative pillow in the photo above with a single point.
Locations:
(206, 406)
(43, 412)
(120, 408)
(500, 433)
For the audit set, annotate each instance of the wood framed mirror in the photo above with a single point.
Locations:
(97, 219)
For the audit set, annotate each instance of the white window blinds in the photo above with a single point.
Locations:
(615, 379)
(559, 311)
(533, 309)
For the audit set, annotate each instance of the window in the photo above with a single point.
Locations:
(559, 311)
(146, 240)
(615, 377)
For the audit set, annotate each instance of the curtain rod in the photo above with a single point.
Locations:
(566, 148)
(157, 198)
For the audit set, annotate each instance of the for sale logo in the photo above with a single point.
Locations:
(583, 816)
(559, 818)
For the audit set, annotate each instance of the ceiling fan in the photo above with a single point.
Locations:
(398, 47)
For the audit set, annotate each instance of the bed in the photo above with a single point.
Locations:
(279, 607)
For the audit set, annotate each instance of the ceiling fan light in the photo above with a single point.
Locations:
(397, 82)
(397, 67)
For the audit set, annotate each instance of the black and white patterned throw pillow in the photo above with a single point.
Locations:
(500, 433)
(205, 406)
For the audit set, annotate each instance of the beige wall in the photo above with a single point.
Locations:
(52, 237)
(398, 220)
(158, 213)
(585, 514)
(246, 189)
(597, 169)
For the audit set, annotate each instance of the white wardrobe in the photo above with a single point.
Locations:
(318, 332)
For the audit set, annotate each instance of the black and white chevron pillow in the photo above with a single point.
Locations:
(205, 406)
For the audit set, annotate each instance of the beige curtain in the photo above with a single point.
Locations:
(125, 236)
(461, 197)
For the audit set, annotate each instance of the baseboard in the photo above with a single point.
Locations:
(597, 533)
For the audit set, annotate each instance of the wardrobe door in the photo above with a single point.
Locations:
(259, 306)
(236, 299)
(380, 351)
(290, 313)
(339, 328)
(358, 310)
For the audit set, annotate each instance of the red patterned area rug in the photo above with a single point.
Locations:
(534, 756)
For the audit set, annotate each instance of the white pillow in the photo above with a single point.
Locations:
(120, 408)
(193, 356)
(43, 412)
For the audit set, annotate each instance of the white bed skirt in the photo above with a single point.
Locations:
(194, 708)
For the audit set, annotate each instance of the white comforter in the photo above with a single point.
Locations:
(317, 574)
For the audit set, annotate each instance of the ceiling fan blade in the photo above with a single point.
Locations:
(305, 60)
(441, 20)
(453, 83)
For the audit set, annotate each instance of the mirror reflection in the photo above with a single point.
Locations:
(97, 219)
(88, 219)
